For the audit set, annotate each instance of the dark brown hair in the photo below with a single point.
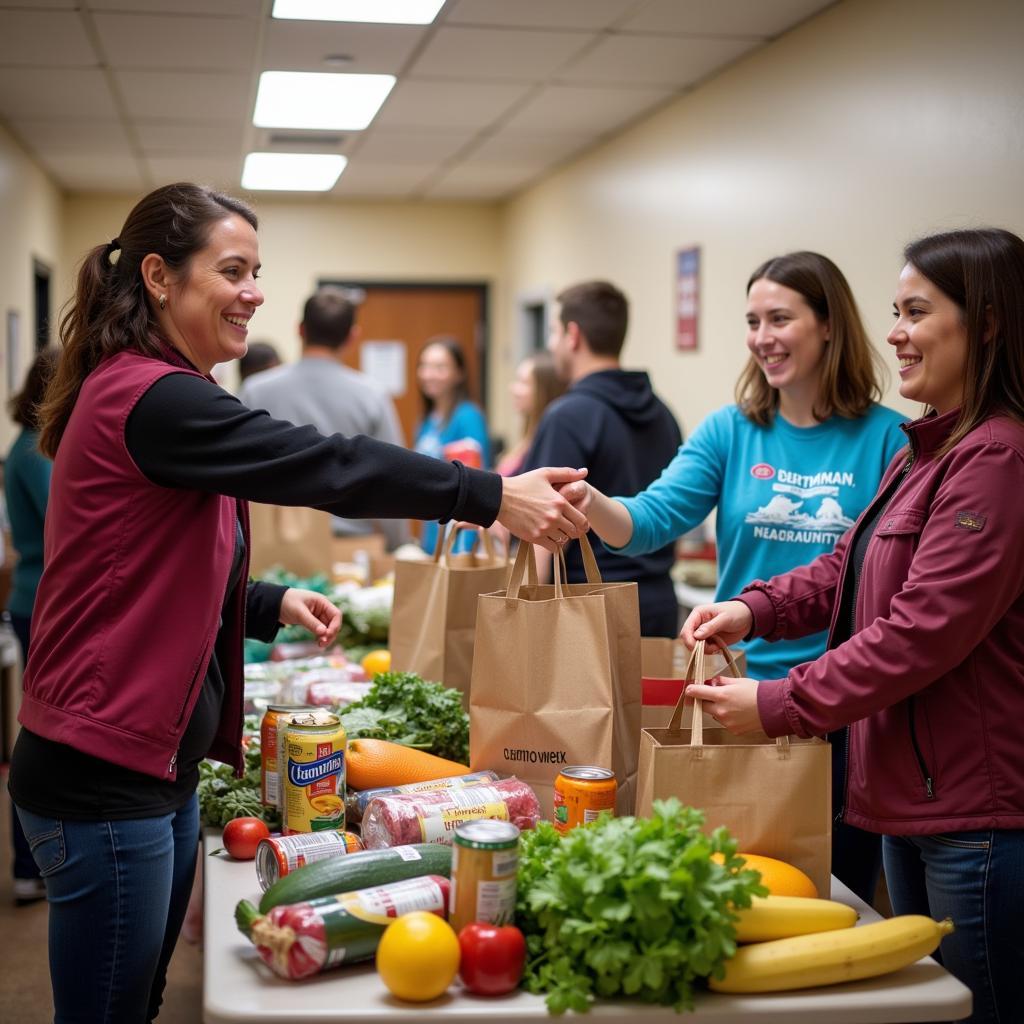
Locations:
(547, 386)
(602, 313)
(110, 311)
(851, 368)
(327, 318)
(259, 356)
(982, 271)
(454, 349)
(24, 406)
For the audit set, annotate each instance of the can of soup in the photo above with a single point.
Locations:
(270, 752)
(485, 856)
(582, 792)
(313, 773)
(281, 855)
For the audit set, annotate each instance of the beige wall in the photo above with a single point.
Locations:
(30, 228)
(301, 242)
(876, 121)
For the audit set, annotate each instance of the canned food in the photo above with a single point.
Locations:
(270, 752)
(313, 773)
(582, 792)
(281, 855)
(485, 856)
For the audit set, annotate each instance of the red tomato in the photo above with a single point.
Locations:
(492, 958)
(243, 835)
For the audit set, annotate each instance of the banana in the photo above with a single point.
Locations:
(828, 958)
(780, 917)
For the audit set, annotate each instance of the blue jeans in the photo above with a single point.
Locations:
(975, 878)
(118, 891)
(24, 865)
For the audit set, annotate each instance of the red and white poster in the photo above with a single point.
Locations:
(687, 298)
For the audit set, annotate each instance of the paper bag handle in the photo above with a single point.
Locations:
(524, 559)
(446, 542)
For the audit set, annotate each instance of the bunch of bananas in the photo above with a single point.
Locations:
(798, 942)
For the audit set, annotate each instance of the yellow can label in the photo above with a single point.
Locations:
(314, 782)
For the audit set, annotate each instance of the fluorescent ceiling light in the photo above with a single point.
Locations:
(319, 100)
(391, 12)
(292, 172)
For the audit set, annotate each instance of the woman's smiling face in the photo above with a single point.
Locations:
(930, 340)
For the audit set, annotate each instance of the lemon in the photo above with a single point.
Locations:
(418, 956)
(377, 661)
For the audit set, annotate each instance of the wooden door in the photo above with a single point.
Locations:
(412, 315)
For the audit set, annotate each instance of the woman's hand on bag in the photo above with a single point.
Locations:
(730, 702)
(533, 509)
(312, 610)
(719, 625)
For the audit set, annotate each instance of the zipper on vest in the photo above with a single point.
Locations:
(926, 776)
(172, 764)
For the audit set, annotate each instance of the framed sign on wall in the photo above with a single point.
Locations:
(687, 298)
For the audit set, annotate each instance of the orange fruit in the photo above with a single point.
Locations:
(376, 662)
(373, 764)
(780, 878)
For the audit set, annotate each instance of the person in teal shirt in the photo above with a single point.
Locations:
(788, 469)
(453, 426)
(26, 491)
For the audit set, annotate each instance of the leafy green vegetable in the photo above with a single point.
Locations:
(404, 708)
(629, 907)
(223, 797)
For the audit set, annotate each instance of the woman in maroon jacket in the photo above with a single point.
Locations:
(925, 597)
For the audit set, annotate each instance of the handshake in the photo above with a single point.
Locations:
(546, 506)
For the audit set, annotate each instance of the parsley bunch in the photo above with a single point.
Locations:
(630, 907)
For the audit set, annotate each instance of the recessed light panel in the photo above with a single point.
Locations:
(292, 172)
(390, 12)
(319, 100)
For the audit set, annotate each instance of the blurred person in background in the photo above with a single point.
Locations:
(611, 421)
(925, 596)
(26, 491)
(535, 386)
(134, 673)
(787, 469)
(320, 390)
(453, 426)
(260, 356)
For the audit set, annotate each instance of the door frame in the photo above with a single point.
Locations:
(482, 343)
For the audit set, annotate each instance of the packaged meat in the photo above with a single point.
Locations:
(433, 817)
(297, 940)
(356, 800)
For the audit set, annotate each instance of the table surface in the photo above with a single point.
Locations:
(238, 986)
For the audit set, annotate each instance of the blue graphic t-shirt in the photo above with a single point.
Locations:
(784, 495)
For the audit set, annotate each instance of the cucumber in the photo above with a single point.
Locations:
(358, 871)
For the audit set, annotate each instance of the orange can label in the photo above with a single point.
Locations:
(582, 792)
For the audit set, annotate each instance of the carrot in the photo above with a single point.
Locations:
(371, 764)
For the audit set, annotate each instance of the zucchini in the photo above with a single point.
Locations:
(358, 871)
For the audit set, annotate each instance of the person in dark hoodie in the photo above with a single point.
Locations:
(610, 421)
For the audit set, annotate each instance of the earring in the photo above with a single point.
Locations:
(163, 301)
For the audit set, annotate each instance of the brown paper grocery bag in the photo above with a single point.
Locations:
(556, 679)
(433, 618)
(296, 539)
(774, 796)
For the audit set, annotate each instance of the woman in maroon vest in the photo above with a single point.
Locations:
(135, 673)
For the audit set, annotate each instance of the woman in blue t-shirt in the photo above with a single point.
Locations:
(788, 469)
(453, 426)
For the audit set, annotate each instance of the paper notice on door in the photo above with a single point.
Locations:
(384, 361)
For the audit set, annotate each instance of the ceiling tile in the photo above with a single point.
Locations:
(508, 145)
(411, 146)
(485, 180)
(303, 45)
(250, 8)
(672, 61)
(364, 178)
(224, 173)
(578, 14)
(207, 137)
(85, 172)
(414, 103)
(49, 38)
(78, 134)
(518, 54)
(203, 96)
(583, 110)
(737, 17)
(42, 92)
(153, 41)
